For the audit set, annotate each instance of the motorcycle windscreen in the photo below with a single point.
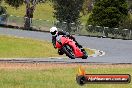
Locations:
(61, 41)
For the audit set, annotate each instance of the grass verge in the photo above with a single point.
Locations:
(35, 75)
(42, 11)
(14, 47)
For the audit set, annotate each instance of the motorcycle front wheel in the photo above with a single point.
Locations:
(85, 56)
(68, 51)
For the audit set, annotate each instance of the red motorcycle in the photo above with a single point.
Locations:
(68, 46)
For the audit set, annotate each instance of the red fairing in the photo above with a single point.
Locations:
(66, 40)
(58, 45)
(77, 51)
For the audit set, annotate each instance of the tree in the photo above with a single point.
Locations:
(108, 13)
(2, 10)
(127, 23)
(15, 3)
(130, 8)
(67, 11)
(30, 7)
(3, 15)
(29, 13)
(87, 7)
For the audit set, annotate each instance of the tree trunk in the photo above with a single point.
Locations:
(27, 24)
(29, 15)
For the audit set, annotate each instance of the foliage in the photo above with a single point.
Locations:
(87, 7)
(108, 13)
(127, 23)
(130, 6)
(43, 11)
(2, 10)
(18, 3)
(67, 10)
(15, 3)
(1, 1)
(29, 9)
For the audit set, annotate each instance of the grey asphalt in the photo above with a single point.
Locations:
(117, 50)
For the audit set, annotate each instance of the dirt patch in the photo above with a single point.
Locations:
(37, 66)
(44, 66)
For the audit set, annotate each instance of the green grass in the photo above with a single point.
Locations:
(57, 77)
(13, 47)
(22, 47)
(43, 11)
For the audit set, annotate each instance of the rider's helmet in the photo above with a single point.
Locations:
(53, 31)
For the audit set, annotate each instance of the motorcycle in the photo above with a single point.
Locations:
(68, 46)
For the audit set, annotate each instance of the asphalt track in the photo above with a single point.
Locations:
(116, 50)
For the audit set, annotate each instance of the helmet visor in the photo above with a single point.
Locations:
(53, 33)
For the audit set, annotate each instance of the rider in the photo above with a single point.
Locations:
(54, 31)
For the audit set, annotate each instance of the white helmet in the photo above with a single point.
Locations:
(53, 30)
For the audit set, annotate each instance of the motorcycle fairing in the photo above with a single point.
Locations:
(61, 41)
